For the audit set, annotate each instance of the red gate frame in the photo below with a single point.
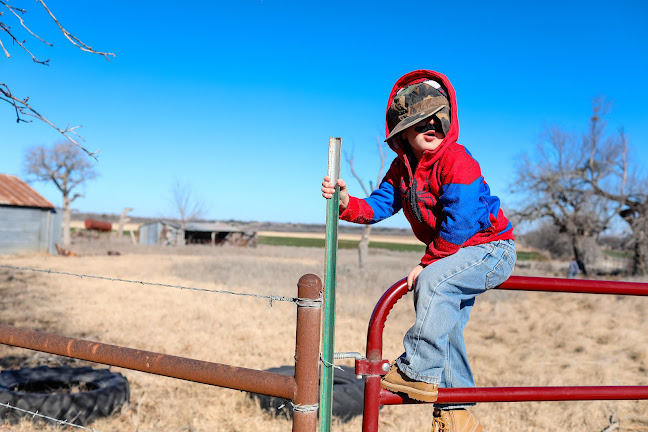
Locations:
(374, 366)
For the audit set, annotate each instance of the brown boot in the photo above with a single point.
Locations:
(456, 420)
(397, 381)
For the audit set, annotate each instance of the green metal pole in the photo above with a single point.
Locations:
(328, 336)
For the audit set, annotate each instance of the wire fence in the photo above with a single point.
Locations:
(271, 298)
(57, 421)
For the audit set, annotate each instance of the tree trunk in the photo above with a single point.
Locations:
(639, 260)
(363, 248)
(579, 256)
(66, 221)
(639, 225)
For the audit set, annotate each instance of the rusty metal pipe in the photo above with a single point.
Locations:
(217, 374)
(307, 344)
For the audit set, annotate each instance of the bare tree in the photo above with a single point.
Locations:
(582, 184)
(187, 205)
(609, 171)
(553, 186)
(21, 105)
(67, 167)
(635, 213)
(363, 246)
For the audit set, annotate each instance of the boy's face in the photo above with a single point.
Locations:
(424, 135)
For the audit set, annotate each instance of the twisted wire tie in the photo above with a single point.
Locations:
(329, 364)
(309, 303)
(299, 408)
(304, 408)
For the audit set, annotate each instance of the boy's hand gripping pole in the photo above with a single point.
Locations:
(328, 336)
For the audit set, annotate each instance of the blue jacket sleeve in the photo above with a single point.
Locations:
(382, 203)
(385, 201)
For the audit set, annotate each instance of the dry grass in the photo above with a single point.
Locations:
(513, 338)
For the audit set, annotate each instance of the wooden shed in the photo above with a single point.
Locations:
(28, 222)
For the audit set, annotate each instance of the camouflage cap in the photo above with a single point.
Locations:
(418, 102)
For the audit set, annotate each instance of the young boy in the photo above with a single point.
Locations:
(470, 247)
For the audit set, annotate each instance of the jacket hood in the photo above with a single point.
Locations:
(416, 77)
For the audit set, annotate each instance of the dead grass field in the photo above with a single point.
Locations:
(410, 239)
(513, 338)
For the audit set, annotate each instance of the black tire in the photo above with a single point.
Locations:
(76, 395)
(348, 394)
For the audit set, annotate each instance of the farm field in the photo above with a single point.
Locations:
(513, 338)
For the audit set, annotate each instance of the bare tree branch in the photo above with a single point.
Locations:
(630, 195)
(15, 11)
(349, 157)
(4, 49)
(363, 245)
(382, 154)
(583, 185)
(21, 105)
(555, 186)
(74, 40)
(188, 206)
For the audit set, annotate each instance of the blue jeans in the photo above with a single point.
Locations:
(444, 295)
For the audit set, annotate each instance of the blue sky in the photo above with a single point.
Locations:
(238, 99)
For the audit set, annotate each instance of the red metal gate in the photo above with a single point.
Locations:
(374, 366)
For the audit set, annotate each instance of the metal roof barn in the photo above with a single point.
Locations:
(28, 222)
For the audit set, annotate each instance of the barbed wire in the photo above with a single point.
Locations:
(36, 414)
(271, 298)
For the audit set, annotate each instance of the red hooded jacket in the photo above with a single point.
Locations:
(444, 197)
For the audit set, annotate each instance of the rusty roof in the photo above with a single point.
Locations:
(16, 192)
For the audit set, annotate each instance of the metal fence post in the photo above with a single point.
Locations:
(309, 325)
(332, 215)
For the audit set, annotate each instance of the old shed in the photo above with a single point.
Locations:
(218, 233)
(214, 233)
(28, 222)
(161, 233)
